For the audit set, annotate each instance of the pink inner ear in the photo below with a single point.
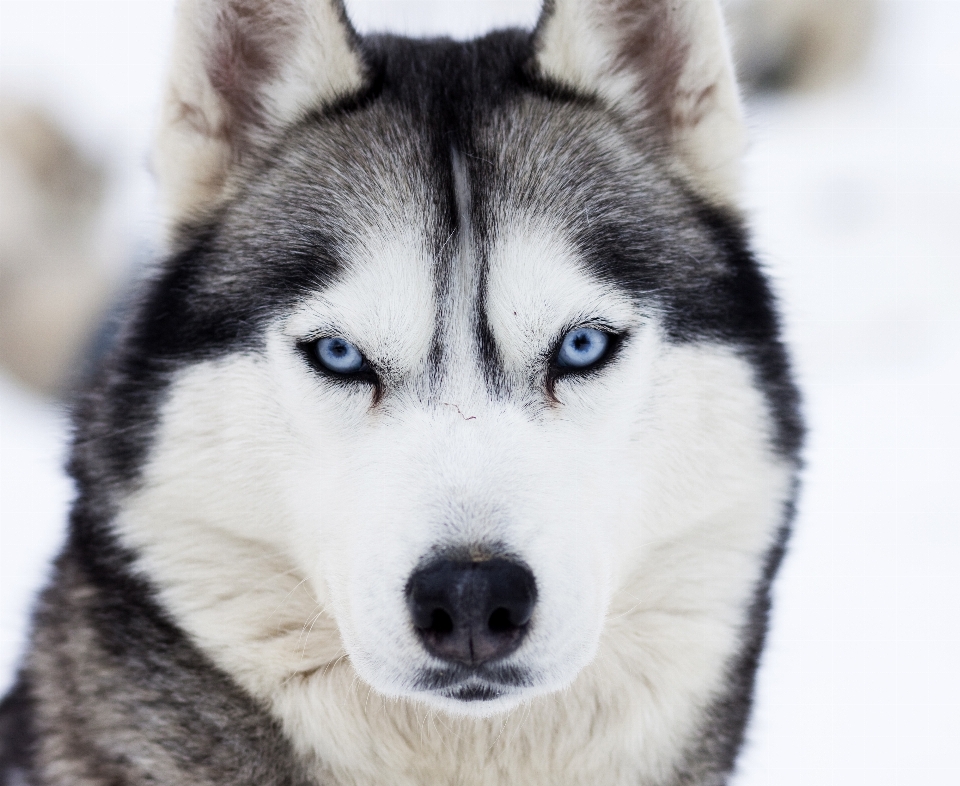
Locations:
(246, 51)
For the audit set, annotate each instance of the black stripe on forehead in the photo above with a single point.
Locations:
(447, 87)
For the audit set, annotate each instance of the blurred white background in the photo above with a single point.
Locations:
(855, 197)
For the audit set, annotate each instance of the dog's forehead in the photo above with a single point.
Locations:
(437, 244)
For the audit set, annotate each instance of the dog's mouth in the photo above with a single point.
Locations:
(474, 691)
(474, 684)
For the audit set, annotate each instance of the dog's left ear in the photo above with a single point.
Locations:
(242, 71)
(663, 65)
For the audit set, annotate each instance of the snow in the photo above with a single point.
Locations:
(855, 196)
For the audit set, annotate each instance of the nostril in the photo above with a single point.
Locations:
(440, 622)
(500, 621)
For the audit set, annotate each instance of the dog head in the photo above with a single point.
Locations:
(447, 334)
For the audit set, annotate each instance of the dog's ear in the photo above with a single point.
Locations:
(242, 71)
(664, 65)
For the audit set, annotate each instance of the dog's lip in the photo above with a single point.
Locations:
(473, 684)
(476, 690)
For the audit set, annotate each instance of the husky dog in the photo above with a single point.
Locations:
(453, 443)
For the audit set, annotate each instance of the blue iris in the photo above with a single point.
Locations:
(582, 347)
(339, 356)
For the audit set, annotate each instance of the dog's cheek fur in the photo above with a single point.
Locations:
(213, 529)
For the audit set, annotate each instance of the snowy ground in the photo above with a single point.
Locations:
(856, 196)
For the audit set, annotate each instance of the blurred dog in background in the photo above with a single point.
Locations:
(56, 278)
(798, 44)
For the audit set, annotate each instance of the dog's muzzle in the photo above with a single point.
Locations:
(472, 613)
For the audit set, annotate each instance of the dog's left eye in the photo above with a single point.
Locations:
(338, 356)
(582, 347)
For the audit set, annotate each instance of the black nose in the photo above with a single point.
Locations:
(472, 612)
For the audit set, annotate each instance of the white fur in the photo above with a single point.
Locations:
(281, 517)
(581, 46)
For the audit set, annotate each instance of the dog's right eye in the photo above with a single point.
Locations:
(338, 356)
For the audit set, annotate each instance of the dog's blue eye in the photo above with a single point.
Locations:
(582, 348)
(339, 356)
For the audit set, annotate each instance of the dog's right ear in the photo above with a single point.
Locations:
(241, 72)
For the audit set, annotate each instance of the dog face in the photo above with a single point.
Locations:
(471, 435)
(444, 353)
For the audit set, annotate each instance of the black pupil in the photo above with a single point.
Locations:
(581, 342)
(338, 348)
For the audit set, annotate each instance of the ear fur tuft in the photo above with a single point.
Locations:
(665, 66)
(242, 71)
